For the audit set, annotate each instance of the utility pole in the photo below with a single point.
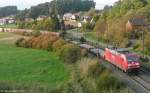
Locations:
(77, 34)
(143, 42)
(106, 33)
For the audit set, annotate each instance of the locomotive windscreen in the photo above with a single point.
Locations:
(132, 59)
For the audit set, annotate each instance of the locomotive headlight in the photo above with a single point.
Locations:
(137, 64)
(129, 65)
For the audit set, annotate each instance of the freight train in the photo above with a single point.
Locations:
(119, 57)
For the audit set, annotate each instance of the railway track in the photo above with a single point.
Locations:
(142, 80)
(144, 75)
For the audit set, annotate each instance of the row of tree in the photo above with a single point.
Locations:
(113, 19)
(49, 24)
(86, 75)
(57, 7)
(8, 10)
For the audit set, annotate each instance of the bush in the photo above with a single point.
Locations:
(19, 42)
(106, 82)
(90, 68)
(44, 41)
(70, 53)
(36, 33)
(57, 45)
(84, 53)
(23, 33)
(89, 76)
(82, 40)
(147, 42)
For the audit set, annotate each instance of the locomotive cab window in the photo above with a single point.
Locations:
(132, 59)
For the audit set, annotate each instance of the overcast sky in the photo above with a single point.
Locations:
(22, 4)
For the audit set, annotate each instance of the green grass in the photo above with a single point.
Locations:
(9, 26)
(5, 35)
(30, 66)
(93, 36)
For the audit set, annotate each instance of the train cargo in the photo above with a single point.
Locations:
(97, 51)
(86, 46)
(122, 58)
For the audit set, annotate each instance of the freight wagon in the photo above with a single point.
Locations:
(121, 58)
(86, 46)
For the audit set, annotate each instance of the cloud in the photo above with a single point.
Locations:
(101, 3)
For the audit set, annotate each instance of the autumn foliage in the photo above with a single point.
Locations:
(44, 41)
(68, 53)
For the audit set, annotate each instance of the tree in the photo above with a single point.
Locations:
(8, 10)
(58, 44)
(147, 42)
(100, 27)
(21, 15)
(70, 53)
(57, 7)
(86, 26)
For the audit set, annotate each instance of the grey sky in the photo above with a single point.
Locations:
(22, 4)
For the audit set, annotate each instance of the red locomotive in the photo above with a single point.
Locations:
(122, 58)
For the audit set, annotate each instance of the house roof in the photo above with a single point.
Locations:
(137, 21)
(68, 15)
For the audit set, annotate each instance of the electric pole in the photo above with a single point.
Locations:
(143, 42)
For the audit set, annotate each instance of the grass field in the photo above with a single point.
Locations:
(30, 66)
(5, 35)
(8, 26)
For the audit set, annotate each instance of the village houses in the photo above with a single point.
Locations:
(135, 23)
(6, 20)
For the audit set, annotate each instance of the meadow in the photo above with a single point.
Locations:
(8, 26)
(5, 35)
(29, 66)
(40, 71)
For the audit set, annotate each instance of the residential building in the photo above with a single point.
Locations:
(41, 17)
(6, 20)
(135, 23)
(67, 16)
(29, 19)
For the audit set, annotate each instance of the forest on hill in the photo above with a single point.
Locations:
(111, 24)
(56, 7)
(8, 10)
(49, 8)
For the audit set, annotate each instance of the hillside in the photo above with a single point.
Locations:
(8, 10)
(56, 7)
(114, 19)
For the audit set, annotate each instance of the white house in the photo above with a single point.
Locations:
(73, 17)
(2, 21)
(87, 19)
(79, 25)
(67, 16)
(7, 20)
(41, 17)
(11, 21)
(29, 19)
